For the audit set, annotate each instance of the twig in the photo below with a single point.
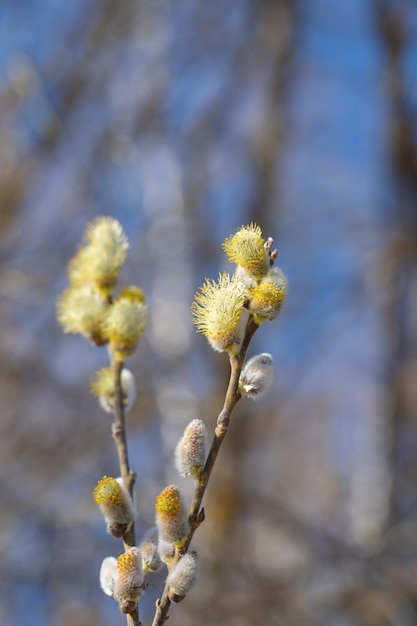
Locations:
(129, 477)
(133, 618)
(119, 431)
(196, 514)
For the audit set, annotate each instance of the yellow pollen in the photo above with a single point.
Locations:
(268, 294)
(126, 562)
(107, 491)
(168, 502)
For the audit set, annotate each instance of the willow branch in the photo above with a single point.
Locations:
(129, 477)
(196, 513)
(231, 398)
(133, 618)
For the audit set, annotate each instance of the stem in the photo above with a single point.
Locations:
(133, 618)
(196, 514)
(119, 432)
(129, 477)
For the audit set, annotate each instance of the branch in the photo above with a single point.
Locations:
(196, 514)
(119, 432)
(129, 477)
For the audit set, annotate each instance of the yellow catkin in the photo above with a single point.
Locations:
(127, 561)
(216, 311)
(102, 383)
(168, 503)
(81, 309)
(171, 517)
(125, 324)
(133, 294)
(246, 249)
(107, 491)
(101, 255)
(266, 299)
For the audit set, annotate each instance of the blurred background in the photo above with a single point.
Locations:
(185, 120)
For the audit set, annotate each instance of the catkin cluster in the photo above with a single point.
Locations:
(256, 286)
(124, 577)
(90, 306)
(257, 289)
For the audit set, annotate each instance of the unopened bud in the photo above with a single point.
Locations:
(190, 453)
(151, 561)
(115, 504)
(171, 516)
(102, 386)
(108, 575)
(166, 551)
(183, 576)
(257, 376)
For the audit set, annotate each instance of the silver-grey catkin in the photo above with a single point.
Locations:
(183, 576)
(190, 453)
(108, 575)
(148, 547)
(257, 376)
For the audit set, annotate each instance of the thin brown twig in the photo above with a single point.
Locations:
(196, 513)
(119, 430)
(129, 477)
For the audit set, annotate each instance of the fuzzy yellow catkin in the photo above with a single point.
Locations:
(246, 248)
(190, 453)
(124, 325)
(93, 272)
(133, 294)
(183, 576)
(171, 516)
(267, 298)
(115, 504)
(81, 309)
(107, 232)
(100, 257)
(130, 584)
(216, 312)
